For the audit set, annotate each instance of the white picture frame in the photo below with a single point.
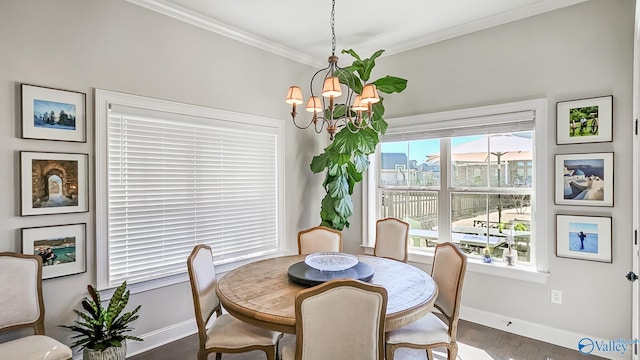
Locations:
(584, 179)
(53, 183)
(67, 242)
(53, 114)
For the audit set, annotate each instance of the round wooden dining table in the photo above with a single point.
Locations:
(260, 293)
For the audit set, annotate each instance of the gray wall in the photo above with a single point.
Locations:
(581, 51)
(81, 45)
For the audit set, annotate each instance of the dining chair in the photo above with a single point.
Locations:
(448, 270)
(392, 239)
(22, 306)
(225, 334)
(341, 319)
(319, 239)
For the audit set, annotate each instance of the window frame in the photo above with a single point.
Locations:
(473, 117)
(102, 100)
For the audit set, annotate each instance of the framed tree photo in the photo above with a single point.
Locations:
(584, 121)
(53, 183)
(584, 237)
(62, 248)
(584, 179)
(53, 114)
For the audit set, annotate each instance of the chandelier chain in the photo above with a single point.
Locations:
(333, 27)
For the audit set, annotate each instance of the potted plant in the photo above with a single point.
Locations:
(345, 159)
(101, 331)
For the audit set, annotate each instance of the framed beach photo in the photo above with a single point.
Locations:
(53, 183)
(53, 114)
(62, 248)
(584, 237)
(584, 121)
(584, 179)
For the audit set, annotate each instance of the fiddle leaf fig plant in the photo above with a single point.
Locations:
(346, 158)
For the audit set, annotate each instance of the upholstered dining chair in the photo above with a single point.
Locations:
(342, 319)
(225, 334)
(392, 239)
(448, 270)
(22, 306)
(319, 239)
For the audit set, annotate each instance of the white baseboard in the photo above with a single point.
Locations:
(158, 338)
(535, 331)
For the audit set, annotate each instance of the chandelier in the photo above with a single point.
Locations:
(354, 113)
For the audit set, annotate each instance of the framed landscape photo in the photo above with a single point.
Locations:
(584, 121)
(62, 248)
(584, 179)
(53, 183)
(53, 114)
(584, 237)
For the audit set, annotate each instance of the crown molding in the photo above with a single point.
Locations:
(193, 18)
(480, 24)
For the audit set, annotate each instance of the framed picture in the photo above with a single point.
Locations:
(584, 179)
(585, 120)
(584, 237)
(53, 183)
(62, 248)
(53, 114)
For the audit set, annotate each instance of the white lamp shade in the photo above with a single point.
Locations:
(331, 87)
(314, 104)
(370, 94)
(294, 95)
(358, 105)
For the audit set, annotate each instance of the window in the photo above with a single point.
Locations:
(177, 176)
(465, 176)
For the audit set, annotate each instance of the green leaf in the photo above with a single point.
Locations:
(347, 77)
(352, 53)
(390, 84)
(369, 64)
(339, 187)
(346, 142)
(344, 206)
(319, 163)
(361, 163)
(367, 140)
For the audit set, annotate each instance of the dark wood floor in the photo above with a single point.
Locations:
(476, 342)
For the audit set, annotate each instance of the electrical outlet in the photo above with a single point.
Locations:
(556, 296)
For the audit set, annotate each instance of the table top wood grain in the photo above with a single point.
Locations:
(261, 293)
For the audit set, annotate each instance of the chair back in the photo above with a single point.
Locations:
(448, 270)
(202, 276)
(342, 319)
(392, 239)
(319, 239)
(22, 275)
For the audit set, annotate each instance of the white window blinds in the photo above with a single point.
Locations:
(177, 180)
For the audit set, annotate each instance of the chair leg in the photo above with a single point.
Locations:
(390, 351)
(202, 355)
(429, 354)
(218, 356)
(271, 352)
(452, 351)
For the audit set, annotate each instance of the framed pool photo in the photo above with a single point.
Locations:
(53, 183)
(584, 179)
(584, 121)
(62, 248)
(53, 114)
(584, 237)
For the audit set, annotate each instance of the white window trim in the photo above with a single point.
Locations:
(102, 100)
(543, 243)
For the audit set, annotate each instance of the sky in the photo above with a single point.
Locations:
(40, 106)
(584, 227)
(420, 149)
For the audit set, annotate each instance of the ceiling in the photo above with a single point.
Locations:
(300, 29)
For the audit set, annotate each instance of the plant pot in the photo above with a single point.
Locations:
(112, 353)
